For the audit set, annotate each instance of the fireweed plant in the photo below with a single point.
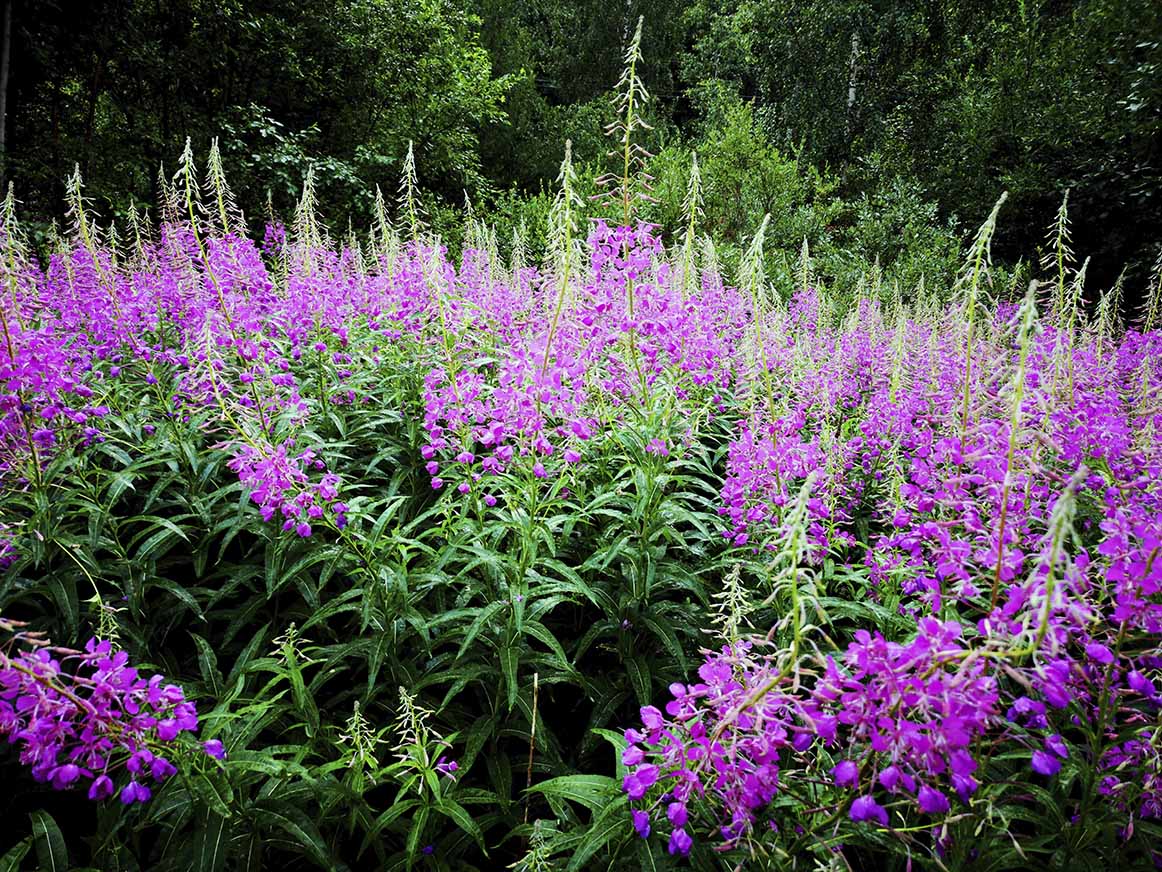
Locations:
(87, 724)
(434, 547)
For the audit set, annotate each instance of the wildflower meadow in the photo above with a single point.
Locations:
(354, 550)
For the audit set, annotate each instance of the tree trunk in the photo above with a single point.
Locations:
(5, 55)
(849, 113)
(852, 72)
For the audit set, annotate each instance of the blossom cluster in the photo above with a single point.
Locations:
(1011, 518)
(88, 717)
(897, 719)
(990, 477)
(544, 392)
(280, 484)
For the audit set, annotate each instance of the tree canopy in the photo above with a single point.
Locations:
(962, 100)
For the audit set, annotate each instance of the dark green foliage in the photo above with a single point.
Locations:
(960, 101)
(573, 605)
(1032, 97)
(116, 86)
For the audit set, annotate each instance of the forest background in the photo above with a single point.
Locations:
(881, 131)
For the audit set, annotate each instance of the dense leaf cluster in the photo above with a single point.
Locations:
(952, 101)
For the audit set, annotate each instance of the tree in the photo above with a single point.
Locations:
(118, 88)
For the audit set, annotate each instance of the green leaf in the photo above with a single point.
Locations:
(619, 745)
(416, 833)
(478, 624)
(397, 810)
(605, 829)
(248, 654)
(252, 861)
(212, 788)
(10, 862)
(50, 844)
(64, 594)
(208, 665)
(294, 822)
(592, 791)
(159, 543)
(304, 700)
(665, 634)
(180, 593)
(639, 677)
(211, 844)
(541, 632)
(452, 809)
(509, 660)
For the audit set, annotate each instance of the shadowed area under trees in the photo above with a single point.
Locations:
(899, 104)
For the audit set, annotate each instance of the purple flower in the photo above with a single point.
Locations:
(63, 777)
(1045, 764)
(845, 773)
(1099, 653)
(638, 782)
(1057, 745)
(280, 484)
(75, 725)
(1140, 684)
(658, 447)
(101, 788)
(865, 808)
(161, 769)
(135, 792)
(680, 843)
(651, 717)
(871, 446)
(932, 801)
(641, 823)
(215, 749)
